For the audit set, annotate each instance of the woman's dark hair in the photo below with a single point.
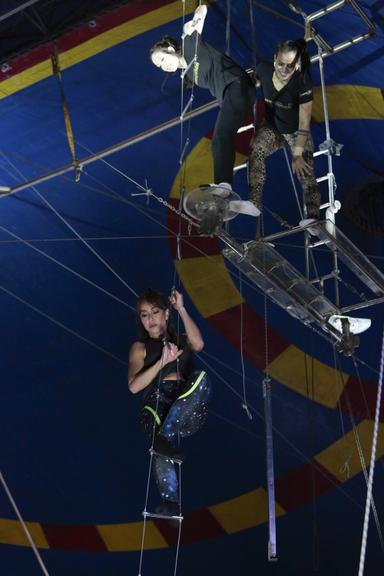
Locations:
(300, 47)
(164, 44)
(161, 301)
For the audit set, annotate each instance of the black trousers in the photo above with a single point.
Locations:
(238, 101)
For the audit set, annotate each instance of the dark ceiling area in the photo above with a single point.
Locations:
(24, 25)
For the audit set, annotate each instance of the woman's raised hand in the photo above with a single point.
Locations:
(170, 353)
(176, 299)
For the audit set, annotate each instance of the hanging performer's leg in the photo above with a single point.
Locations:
(188, 413)
(237, 105)
(153, 414)
(183, 417)
(264, 143)
(311, 191)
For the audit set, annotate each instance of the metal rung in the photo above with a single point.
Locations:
(323, 178)
(326, 10)
(162, 516)
(321, 152)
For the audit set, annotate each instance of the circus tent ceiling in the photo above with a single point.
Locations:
(77, 247)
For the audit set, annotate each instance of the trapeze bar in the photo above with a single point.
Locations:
(272, 551)
(112, 149)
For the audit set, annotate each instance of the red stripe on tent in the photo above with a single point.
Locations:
(360, 398)
(74, 538)
(228, 324)
(302, 485)
(73, 38)
(195, 247)
(198, 525)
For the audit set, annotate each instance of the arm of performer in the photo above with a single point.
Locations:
(194, 337)
(197, 22)
(299, 165)
(139, 380)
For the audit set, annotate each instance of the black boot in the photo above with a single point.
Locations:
(163, 447)
(210, 221)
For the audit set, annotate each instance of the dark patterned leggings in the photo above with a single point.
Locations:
(180, 410)
(265, 142)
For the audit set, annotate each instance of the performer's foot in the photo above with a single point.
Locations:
(356, 325)
(163, 447)
(244, 207)
(222, 190)
(168, 508)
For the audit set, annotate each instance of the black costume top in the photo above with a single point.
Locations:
(183, 365)
(212, 69)
(282, 106)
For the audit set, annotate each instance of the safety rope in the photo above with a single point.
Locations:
(65, 267)
(67, 120)
(358, 446)
(184, 144)
(244, 403)
(23, 525)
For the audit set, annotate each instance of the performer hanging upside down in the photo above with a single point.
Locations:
(287, 89)
(226, 81)
(175, 396)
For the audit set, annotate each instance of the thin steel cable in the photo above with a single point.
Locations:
(372, 465)
(74, 231)
(228, 29)
(360, 453)
(244, 403)
(310, 389)
(23, 525)
(61, 325)
(90, 248)
(65, 267)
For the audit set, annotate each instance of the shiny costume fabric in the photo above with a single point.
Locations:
(178, 410)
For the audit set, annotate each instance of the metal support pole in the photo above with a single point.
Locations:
(112, 149)
(272, 553)
(18, 9)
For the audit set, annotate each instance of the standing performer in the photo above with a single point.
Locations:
(175, 396)
(287, 89)
(226, 81)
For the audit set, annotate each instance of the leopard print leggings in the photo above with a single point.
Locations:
(265, 142)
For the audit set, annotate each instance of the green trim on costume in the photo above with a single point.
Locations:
(195, 385)
(154, 414)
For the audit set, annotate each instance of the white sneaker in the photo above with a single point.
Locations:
(222, 190)
(244, 207)
(307, 221)
(356, 325)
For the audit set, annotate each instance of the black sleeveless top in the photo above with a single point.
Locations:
(184, 365)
